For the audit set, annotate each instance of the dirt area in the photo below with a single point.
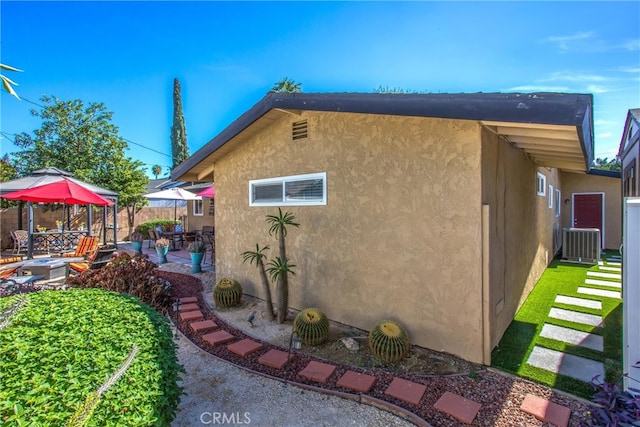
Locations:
(419, 362)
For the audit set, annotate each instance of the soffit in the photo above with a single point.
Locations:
(554, 146)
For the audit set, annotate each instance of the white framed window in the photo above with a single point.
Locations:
(541, 184)
(551, 195)
(558, 200)
(197, 208)
(296, 190)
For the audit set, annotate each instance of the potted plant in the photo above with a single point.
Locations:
(197, 250)
(137, 238)
(162, 247)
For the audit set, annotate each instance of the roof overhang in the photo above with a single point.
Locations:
(553, 129)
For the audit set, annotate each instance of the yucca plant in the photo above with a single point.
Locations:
(257, 257)
(278, 226)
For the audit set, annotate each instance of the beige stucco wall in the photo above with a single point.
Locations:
(612, 189)
(399, 238)
(523, 230)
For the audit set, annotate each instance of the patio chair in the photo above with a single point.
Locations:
(86, 244)
(95, 260)
(20, 240)
(8, 271)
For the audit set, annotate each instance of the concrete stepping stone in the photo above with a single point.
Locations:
(458, 407)
(569, 365)
(619, 264)
(604, 275)
(576, 317)
(580, 302)
(606, 268)
(605, 283)
(571, 336)
(356, 381)
(188, 300)
(275, 359)
(189, 307)
(317, 371)
(546, 411)
(244, 347)
(219, 337)
(203, 326)
(407, 391)
(599, 292)
(191, 315)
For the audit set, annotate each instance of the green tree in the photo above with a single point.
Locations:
(179, 148)
(82, 140)
(606, 164)
(7, 173)
(257, 257)
(156, 170)
(7, 83)
(287, 85)
(130, 181)
(280, 267)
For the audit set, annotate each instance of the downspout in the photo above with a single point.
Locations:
(486, 309)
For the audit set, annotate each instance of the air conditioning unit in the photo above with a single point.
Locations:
(581, 245)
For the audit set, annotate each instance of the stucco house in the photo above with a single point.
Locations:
(440, 211)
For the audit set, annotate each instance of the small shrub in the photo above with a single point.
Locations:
(389, 342)
(227, 293)
(162, 243)
(617, 407)
(312, 325)
(136, 276)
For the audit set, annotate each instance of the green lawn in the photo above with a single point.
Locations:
(560, 278)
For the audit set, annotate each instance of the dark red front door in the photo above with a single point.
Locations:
(587, 211)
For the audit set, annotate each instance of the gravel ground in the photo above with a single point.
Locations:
(214, 385)
(217, 389)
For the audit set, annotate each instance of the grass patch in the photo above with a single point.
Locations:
(523, 334)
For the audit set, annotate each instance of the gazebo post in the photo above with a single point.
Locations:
(115, 224)
(90, 220)
(30, 230)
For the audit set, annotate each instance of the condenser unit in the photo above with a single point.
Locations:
(581, 245)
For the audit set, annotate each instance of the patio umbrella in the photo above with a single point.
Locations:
(208, 192)
(174, 194)
(63, 191)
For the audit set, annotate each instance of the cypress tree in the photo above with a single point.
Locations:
(179, 148)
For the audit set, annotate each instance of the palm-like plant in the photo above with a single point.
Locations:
(156, 170)
(257, 257)
(287, 85)
(278, 225)
(7, 83)
(278, 269)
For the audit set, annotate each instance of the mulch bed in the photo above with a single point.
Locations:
(500, 395)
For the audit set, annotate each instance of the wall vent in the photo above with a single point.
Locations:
(581, 245)
(299, 130)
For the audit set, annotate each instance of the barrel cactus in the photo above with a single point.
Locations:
(227, 293)
(312, 326)
(389, 342)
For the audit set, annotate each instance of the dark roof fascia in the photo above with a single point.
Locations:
(632, 115)
(606, 173)
(544, 108)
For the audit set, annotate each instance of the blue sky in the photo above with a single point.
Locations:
(227, 55)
